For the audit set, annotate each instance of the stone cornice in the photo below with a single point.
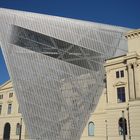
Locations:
(122, 60)
(120, 83)
(133, 34)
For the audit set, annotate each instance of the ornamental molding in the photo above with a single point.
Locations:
(120, 83)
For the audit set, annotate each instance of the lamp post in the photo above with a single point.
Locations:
(123, 123)
(129, 122)
(106, 129)
(20, 129)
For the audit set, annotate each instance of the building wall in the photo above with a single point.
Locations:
(14, 117)
(109, 109)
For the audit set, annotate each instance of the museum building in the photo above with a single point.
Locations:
(117, 114)
(56, 66)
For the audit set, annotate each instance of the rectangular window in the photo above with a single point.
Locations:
(18, 129)
(1, 96)
(9, 108)
(10, 95)
(0, 109)
(121, 94)
(117, 74)
(122, 73)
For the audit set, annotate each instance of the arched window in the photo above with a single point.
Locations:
(122, 126)
(18, 129)
(91, 128)
(6, 134)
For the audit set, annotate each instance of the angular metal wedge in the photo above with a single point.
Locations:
(56, 66)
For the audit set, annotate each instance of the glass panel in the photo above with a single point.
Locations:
(55, 48)
(117, 74)
(122, 126)
(122, 73)
(18, 129)
(91, 129)
(9, 108)
(121, 94)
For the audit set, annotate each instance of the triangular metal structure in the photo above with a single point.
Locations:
(56, 66)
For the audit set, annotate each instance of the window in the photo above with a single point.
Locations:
(91, 128)
(0, 109)
(41, 43)
(119, 74)
(10, 95)
(1, 96)
(9, 108)
(18, 129)
(121, 94)
(122, 73)
(122, 126)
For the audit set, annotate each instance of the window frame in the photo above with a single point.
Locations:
(9, 106)
(121, 94)
(10, 94)
(89, 127)
(1, 96)
(0, 109)
(119, 74)
(18, 127)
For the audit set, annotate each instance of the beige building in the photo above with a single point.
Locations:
(117, 115)
(10, 116)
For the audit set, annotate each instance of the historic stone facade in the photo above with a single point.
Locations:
(120, 99)
(10, 116)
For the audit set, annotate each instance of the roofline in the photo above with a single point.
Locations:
(31, 13)
(115, 57)
(5, 83)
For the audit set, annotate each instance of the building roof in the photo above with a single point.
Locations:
(6, 85)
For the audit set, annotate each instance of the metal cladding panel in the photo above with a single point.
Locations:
(56, 66)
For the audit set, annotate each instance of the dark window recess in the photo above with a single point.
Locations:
(0, 109)
(10, 95)
(122, 73)
(9, 109)
(1, 96)
(117, 74)
(121, 94)
(56, 48)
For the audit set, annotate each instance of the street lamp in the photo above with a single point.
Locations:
(106, 130)
(20, 129)
(123, 123)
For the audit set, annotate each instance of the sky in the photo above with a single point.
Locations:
(124, 13)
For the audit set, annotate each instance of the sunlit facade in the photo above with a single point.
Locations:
(56, 67)
(117, 115)
(11, 121)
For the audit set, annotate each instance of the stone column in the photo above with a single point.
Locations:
(136, 84)
(131, 82)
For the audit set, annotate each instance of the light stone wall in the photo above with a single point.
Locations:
(133, 41)
(108, 107)
(108, 110)
(14, 117)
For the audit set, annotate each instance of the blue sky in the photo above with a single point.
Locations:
(116, 12)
